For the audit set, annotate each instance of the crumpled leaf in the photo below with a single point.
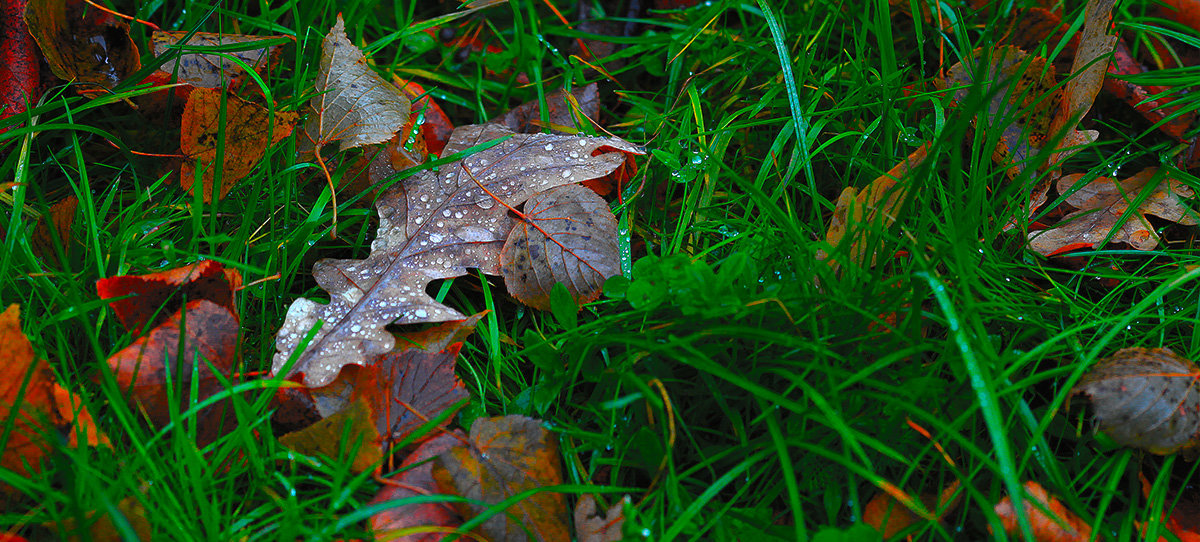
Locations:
(354, 105)
(432, 226)
(570, 237)
(248, 133)
(602, 527)
(1145, 398)
(859, 215)
(82, 44)
(1049, 518)
(1104, 201)
(422, 522)
(506, 456)
(34, 403)
(208, 70)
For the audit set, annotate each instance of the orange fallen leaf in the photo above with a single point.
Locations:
(248, 132)
(1050, 520)
(889, 516)
(859, 215)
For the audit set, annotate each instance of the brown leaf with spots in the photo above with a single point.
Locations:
(504, 457)
(1104, 212)
(1087, 77)
(432, 226)
(249, 129)
(569, 235)
(81, 44)
(1145, 398)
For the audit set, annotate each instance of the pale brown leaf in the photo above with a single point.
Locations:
(432, 226)
(570, 237)
(210, 70)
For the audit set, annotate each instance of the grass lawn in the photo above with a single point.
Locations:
(734, 384)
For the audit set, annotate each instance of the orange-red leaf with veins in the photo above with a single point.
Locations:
(1103, 202)
(248, 128)
(406, 389)
(1049, 518)
(1147, 398)
(432, 226)
(436, 126)
(81, 44)
(154, 297)
(199, 339)
(569, 235)
(504, 457)
(34, 404)
(430, 520)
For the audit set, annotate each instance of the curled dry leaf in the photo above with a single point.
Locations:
(570, 237)
(1049, 518)
(354, 105)
(1087, 77)
(1146, 398)
(249, 129)
(1104, 201)
(432, 226)
(503, 457)
(208, 70)
(82, 44)
(859, 215)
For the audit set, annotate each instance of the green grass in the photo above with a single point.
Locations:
(745, 389)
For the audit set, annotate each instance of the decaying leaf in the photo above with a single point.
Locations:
(248, 130)
(432, 226)
(506, 456)
(354, 105)
(1146, 398)
(54, 229)
(1087, 78)
(349, 430)
(81, 44)
(1103, 202)
(1050, 520)
(406, 389)
(208, 70)
(593, 527)
(859, 215)
(570, 237)
(422, 522)
(34, 404)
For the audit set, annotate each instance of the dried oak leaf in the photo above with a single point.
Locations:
(432, 226)
(569, 236)
(354, 105)
(1049, 518)
(504, 457)
(249, 129)
(209, 70)
(1103, 202)
(82, 44)
(200, 340)
(417, 522)
(1146, 398)
(34, 404)
(153, 298)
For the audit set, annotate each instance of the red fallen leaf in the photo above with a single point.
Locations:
(200, 338)
(506, 456)
(436, 126)
(406, 389)
(1138, 97)
(889, 516)
(83, 45)
(1184, 521)
(569, 236)
(1185, 12)
(34, 403)
(415, 477)
(1050, 520)
(248, 133)
(19, 65)
(157, 295)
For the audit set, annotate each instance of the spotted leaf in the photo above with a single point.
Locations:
(432, 226)
(1146, 398)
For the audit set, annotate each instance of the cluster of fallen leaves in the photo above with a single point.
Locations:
(509, 203)
(1144, 398)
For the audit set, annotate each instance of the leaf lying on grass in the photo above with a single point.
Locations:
(1049, 518)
